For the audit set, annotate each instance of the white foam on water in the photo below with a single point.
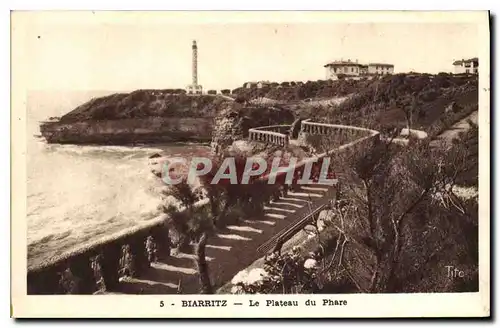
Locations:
(80, 193)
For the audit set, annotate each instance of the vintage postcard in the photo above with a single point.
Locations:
(250, 164)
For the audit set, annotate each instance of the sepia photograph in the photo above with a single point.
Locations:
(232, 154)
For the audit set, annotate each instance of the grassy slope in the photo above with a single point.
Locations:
(373, 103)
(146, 103)
(379, 104)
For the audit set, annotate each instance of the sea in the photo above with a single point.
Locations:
(77, 193)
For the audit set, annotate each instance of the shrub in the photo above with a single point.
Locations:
(289, 273)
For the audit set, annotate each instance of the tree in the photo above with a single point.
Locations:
(409, 105)
(194, 224)
(390, 188)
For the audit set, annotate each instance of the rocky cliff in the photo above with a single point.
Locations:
(146, 104)
(142, 116)
(158, 116)
(129, 131)
(233, 122)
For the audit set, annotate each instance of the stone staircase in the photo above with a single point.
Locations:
(230, 250)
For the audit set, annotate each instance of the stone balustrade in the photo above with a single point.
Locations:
(358, 138)
(100, 264)
(354, 132)
(274, 134)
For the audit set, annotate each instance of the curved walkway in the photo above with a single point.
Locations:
(232, 249)
(457, 128)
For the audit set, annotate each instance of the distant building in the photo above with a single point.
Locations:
(380, 69)
(258, 85)
(342, 67)
(263, 84)
(353, 69)
(467, 66)
(250, 85)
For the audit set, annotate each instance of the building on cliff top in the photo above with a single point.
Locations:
(354, 69)
(258, 85)
(466, 66)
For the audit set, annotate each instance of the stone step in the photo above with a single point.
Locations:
(270, 223)
(148, 282)
(287, 204)
(172, 268)
(243, 229)
(190, 256)
(219, 247)
(232, 236)
(323, 189)
(278, 209)
(293, 199)
(303, 194)
(275, 216)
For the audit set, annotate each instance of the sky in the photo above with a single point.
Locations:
(88, 53)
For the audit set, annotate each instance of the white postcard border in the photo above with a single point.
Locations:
(358, 305)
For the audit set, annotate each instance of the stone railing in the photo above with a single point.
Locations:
(98, 265)
(276, 242)
(274, 134)
(359, 138)
(313, 128)
(90, 267)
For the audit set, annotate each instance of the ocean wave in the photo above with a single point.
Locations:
(89, 150)
(78, 193)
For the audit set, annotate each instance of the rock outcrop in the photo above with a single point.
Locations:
(233, 122)
(157, 116)
(129, 131)
(142, 116)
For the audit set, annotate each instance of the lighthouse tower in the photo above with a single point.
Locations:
(194, 87)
